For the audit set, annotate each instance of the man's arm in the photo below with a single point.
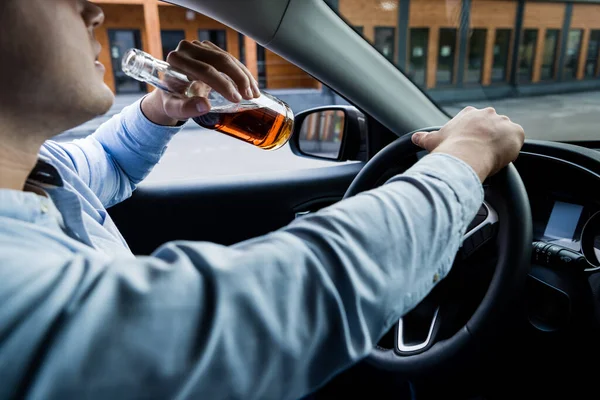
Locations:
(271, 318)
(119, 155)
(123, 151)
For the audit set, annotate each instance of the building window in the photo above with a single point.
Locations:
(501, 49)
(446, 56)
(120, 41)
(591, 61)
(217, 36)
(384, 41)
(170, 40)
(359, 29)
(527, 54)
(475, 56)
(572, 54)
(417, 67)
(261, 66)
(550, 53)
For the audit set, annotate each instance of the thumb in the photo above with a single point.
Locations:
(427, 140)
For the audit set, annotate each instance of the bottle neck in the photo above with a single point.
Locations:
(145, 68)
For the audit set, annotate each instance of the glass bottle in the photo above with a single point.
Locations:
(265, 122)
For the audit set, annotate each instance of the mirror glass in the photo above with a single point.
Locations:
(321, 133)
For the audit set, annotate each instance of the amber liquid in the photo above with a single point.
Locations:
(268, 128)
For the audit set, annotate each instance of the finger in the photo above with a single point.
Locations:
(183, 109)
(253, 82)
(222, 61)
(200, 89)
(466, 110)
(427, 140)
(203, 71)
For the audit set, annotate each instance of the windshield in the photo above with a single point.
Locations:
(536, 62)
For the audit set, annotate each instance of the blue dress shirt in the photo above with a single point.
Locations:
(273, 317)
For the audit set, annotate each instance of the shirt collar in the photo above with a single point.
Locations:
(44, 173)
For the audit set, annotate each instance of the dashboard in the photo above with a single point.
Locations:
(563, 185)
(565, 206)
(560, 222)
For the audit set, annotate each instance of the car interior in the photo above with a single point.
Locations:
(519, 314)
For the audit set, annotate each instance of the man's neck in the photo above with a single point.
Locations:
(18, 157)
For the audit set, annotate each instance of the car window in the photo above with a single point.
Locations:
(535, 61)
(196, 152)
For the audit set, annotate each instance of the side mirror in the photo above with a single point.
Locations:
(332, 132)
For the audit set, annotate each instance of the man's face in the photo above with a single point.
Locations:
(49, 73)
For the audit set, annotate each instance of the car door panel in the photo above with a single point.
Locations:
(227, 210)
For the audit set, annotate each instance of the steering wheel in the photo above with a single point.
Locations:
(425, 343)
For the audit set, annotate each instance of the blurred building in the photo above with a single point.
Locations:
(158, 27)
(468, 49)
(456, 49)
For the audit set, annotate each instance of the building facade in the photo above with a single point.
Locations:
(469, 49)
(455, 49)
(157, 28)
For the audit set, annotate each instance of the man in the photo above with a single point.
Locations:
(274, 317)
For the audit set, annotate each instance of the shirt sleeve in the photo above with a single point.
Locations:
(274, 317)
(118, 156)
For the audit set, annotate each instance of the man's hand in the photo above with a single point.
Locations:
(204, 63)
(483, 139)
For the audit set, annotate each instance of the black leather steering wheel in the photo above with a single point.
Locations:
(506, 225)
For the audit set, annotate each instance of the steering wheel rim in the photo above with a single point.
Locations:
(513, 243)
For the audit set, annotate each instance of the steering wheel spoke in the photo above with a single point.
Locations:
(480, 230)
(417, 331)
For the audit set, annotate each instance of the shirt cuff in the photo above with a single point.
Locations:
(153, 138)
(458, 175)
